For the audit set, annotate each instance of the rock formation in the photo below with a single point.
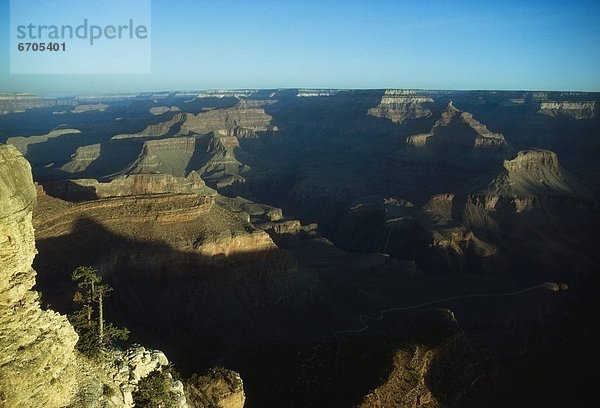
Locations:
(81, 108)
(396, 227)
(214, 120)
(166, 156)
(222, 167)
(38, 363)
(159, 110)
(39, 366)
(156, 130)
(307, 93)
(459, 129)
(574, 110)
(82, 158)
(129, 185)
(224, 93)
(218, 388)
(22, 143)
(20, 102)
(535, 173)
(165, 216)
(450, 218)
(401, 105)
(416, 373)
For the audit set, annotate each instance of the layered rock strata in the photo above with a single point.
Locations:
(401, 105)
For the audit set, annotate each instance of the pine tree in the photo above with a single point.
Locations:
(95, 334)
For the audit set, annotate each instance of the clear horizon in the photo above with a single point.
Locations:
(263, 44)
(93, 94)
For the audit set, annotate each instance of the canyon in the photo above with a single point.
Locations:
(366, 248)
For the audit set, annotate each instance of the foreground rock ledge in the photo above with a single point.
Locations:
(39, 366)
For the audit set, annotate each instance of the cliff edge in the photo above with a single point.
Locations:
(37, 359)
(39, 365)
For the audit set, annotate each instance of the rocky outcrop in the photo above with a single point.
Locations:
(39, 366)
(134, 210)
(234, 244)
(23, 142)
(535, 173)
(159, 110)
(459, 129)
(82, 158)
(101, 107)
(255, 103)
(156, 130)
(218, 388)
(129, 185)
(441, 205)
(229, 118)
(166, 156)
(37, 363)
(434, 375)
(178, 232)
(20, 102)
(222, 167)
(401, 105)
(574, 110)
(128, 367)
(307, 93)
(224, 93)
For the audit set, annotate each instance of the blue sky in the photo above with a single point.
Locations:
(198, 44)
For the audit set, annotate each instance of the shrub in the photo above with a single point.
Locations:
(154, 391)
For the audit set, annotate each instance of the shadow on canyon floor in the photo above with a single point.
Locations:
(306, 330)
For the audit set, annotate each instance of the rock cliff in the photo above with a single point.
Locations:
(401, 105)
(574, 110)
(81, 108)
(82, 158)
(230, 118)
(38, 363)
(156, 130)
(23, 142)
(39, 366)
(222, 167)
(159, 110)
(219, 388)
(167, 156)
(21, 102)
(129, 185)
(456, 128)
(536, 172)
(182, 231)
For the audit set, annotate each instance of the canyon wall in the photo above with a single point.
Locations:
(39, 365)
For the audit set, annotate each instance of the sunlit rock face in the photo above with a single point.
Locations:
(37, 359)
(255, 119)
(218, 388)
(536, 172)
(129, 185)
(39, 366)
(21, 102)
(401, 105)
(159, 110)
(575, 110)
